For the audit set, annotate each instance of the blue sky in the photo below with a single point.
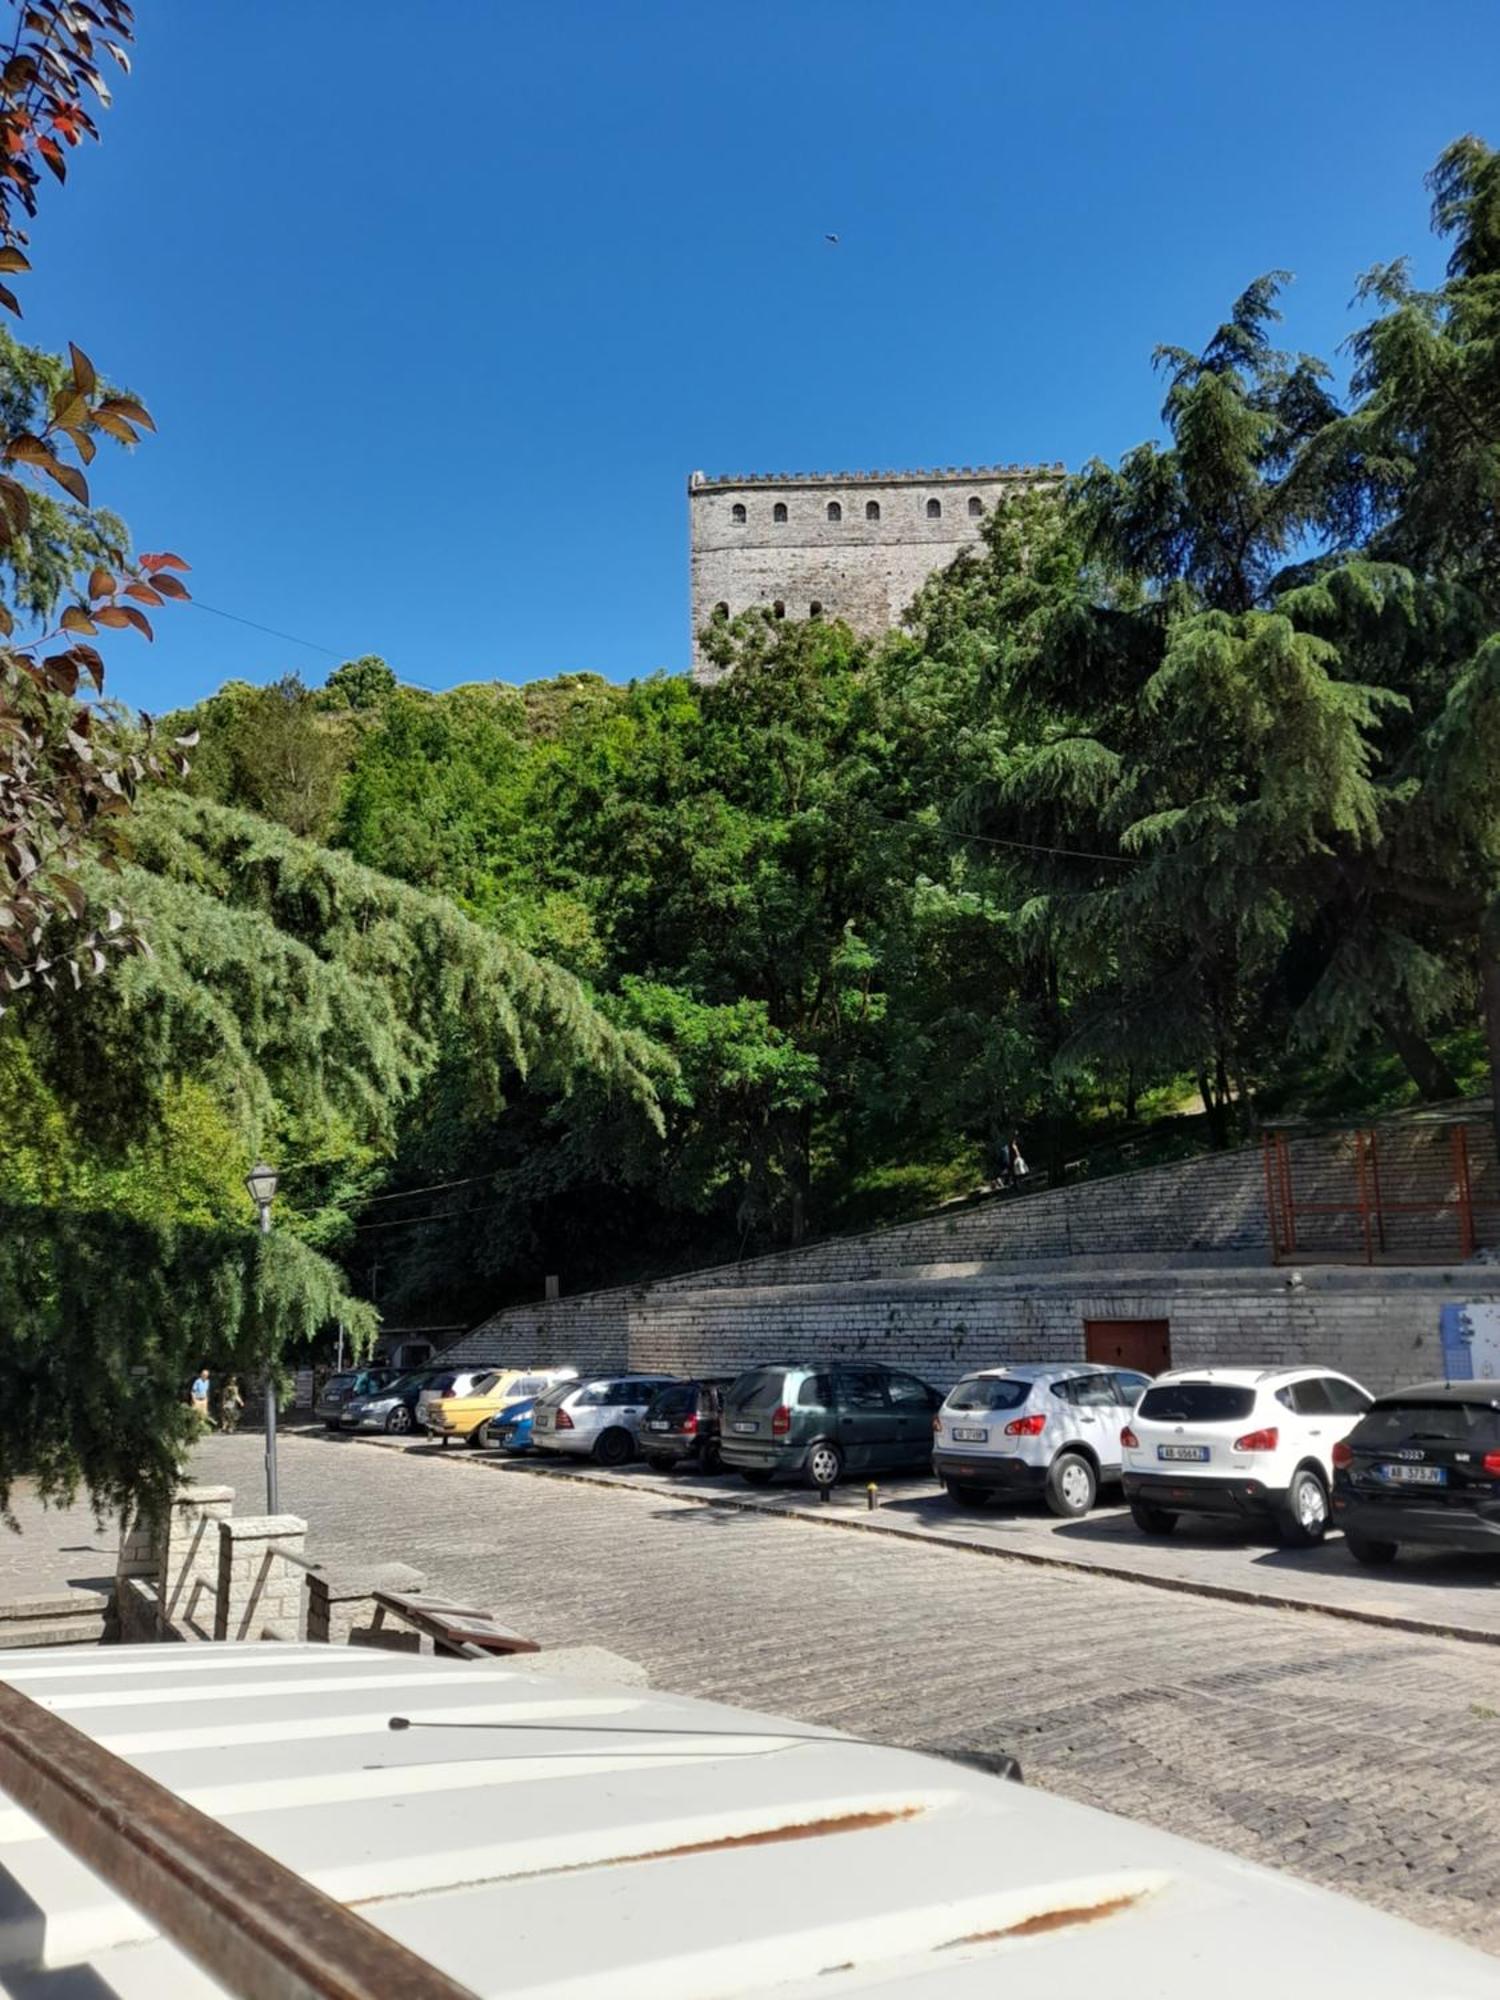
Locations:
(436, 306)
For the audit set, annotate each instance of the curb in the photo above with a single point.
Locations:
(870, 1524)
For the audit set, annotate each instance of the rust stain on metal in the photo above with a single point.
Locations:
(811, 1829)
(1047, 1920)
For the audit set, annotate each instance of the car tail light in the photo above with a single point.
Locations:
(444, 1394)
(937, 1426)
(1258, 1440)
(1342, 1454)
(781, 1421)
(562, 1421)
(1492, 1464)
(690, 1423)
(1129, 1439)
(1026, 1427)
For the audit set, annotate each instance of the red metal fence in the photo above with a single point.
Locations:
(1421, 1191)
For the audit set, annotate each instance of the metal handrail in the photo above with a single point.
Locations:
(250, 1923)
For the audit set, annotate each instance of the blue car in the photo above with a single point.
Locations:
(510, 1428)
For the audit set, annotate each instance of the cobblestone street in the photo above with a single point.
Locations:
(1362, 1758)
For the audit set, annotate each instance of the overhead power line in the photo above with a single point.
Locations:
(990, 840)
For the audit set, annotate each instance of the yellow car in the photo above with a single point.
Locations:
(464, 1409)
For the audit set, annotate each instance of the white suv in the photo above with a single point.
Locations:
(1252, 1442)
(1039, 1427)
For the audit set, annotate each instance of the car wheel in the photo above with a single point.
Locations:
(1071, 1485)
(756, 1475)
(614, 1447)
(1372, 1554)
(711, 1461)
(1152, 1520)
(332, 1424)
(475, 1438)
(657, 1463)
(966, 1496)
(399, 1420)
(825, 1464)
(1303, 1522)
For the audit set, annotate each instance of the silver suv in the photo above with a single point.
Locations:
(1047, 1427)
(599, 1419)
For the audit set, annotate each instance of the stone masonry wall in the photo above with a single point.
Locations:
(863, 570)
(1014, 1278)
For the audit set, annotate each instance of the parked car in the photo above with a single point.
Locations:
(338, 1389)
(683, 1423)
(599, 1419)
(449, 1381)
(511, 1428)
(1252, 1442)
(819, 1423)
(1422, 1466)
(1044, 1427)
(392, 1408)
(461, 1408)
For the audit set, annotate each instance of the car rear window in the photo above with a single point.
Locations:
(1438, 1423)
(1196, 1403)
(757, 1389)
(989, 1392)
(558, 1394)
(672, 1402)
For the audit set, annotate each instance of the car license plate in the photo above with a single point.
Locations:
(1416, 1475)
(1191, 1454)
(658, 1424)
(745, 1427)
(970, 1437)
(542, 1423)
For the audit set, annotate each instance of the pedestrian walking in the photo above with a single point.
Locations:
(199, 1395)
(1018, 1167)
(231, 1402)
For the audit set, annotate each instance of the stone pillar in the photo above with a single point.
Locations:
(260, 1593)
(341, 1602)
(188, 1559)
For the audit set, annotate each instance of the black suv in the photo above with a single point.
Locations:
(683, 1423)
(1423, 1465)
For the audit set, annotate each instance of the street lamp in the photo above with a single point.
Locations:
(261, 1181)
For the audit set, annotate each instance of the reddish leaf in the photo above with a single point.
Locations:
(12, 259)
(70, 479)
(115, 425)
(170, 586)
(129, 408)
(10, 302)
(102, 583)
(139, 620)
(163, 561)
(76, 620)
(52, 153)
(143, 593)
(83, 370)
(27, 450)
(113, 615)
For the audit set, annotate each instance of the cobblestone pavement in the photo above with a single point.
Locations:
(56, 1548)
(1364, 1758)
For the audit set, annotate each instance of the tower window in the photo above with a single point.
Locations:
(721, 609)
(737, 513)
(778, 512)
(976, 507)
(872, 510)
(778, 609)
(835, 511)
(815, 609)
(934, 510)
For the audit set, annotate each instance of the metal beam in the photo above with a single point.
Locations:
(250, 1923)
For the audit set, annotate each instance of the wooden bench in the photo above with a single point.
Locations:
(456, 1631)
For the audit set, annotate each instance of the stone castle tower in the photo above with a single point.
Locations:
(850, 545)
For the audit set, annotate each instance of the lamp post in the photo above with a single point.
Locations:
(261, 1181)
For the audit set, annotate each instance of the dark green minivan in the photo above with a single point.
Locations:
(821, 1422)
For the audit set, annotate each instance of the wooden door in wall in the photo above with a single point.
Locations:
(1144, 1344)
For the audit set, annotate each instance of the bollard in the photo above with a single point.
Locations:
(823, 1493)
(870, 1492)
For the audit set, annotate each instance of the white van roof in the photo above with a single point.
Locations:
(613, 1842)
